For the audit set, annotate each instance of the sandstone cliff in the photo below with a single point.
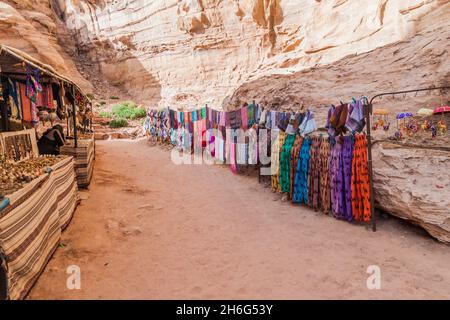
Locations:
(190, 52)
(31, 26)
(283, 53)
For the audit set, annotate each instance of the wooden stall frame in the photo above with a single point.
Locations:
(24, 57)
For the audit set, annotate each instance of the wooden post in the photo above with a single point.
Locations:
(3, 106)
(368, 109)
(74, 117)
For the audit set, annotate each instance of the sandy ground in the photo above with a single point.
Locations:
(152, 230)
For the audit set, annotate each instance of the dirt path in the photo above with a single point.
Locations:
(154, 230)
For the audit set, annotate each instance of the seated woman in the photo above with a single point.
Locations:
(51, 140)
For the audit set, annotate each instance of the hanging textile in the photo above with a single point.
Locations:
(251, 115)
(198, 141)
(209, 118)
(34, 114)
(285, 164)
(50, 98)
(314, 174)
(210, 142)
(295, 153)
(264, 145)
(308, 124)
(252, 146)
(26, 103)
(180, 136)
(231, 154)
(241, 153)
(33, 88)
(275, 160)
(282, 120)
(19, 100)
(337, 180)
(231, 119)
(273, 119)
(203, 132)
(217, 140)
(360, 183)
(324, 163)
(355, 118)
(13, 100)
(244, 117)
(40, 98)
(292, 126)
(263, 118)
(337, 119)
(347, 157)
(300, 194)
(258, 111)
(173, 136)
(203, 113)
(182, 117)
(238, 115)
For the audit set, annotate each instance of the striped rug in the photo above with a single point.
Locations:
(84, 156)
(31, 226)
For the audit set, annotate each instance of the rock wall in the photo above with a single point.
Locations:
(185, 53)
(413, 184)
(31, 26)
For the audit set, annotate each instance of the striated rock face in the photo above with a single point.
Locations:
(414, 184)
(30, 25)
(189, 52)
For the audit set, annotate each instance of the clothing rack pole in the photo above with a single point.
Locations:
(4, 106)
(407, 91)
(74, 117)
(369, 112)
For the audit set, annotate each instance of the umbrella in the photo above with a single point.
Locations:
(403, 115)
(425, 112)
(443, 109)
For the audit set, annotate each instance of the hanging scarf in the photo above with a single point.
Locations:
(244, 119)
(300, 194)
(285, 161)
(32, 84)
(251, 115)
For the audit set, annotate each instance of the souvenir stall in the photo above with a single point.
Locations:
(326, 169)
(84, 155)
(82, 148)
(38, 193)
(425, 123)
(380, 119)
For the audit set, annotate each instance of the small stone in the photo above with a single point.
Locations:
(111, 224)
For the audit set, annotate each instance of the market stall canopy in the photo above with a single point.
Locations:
(443, 109)
(12, 60)
(381, 112)
(403, 115)
(424, 112)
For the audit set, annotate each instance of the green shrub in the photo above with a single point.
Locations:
(106, 114)
(90, 96)
(128, 110)
(102, 103)
(118, 123)
(114, 98)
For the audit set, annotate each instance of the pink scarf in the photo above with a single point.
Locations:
(244, 117)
